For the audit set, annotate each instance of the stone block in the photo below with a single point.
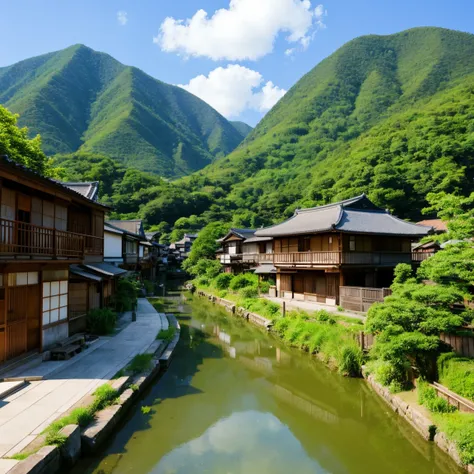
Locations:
(46, 461)
(120, 383)
(127, 397)
(96, 433)
(71, 450)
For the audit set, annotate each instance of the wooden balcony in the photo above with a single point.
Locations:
(341, 258)
(257, 257)
(23, 239)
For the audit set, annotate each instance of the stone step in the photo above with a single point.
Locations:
(7, 388)
(66, 352)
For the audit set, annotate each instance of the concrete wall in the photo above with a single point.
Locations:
(112, 245)
(55, 334)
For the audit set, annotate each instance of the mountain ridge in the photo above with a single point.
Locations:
(82, 100)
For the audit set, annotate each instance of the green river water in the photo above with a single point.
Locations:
(236, 401)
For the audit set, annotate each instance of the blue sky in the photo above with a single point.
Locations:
(253, 74)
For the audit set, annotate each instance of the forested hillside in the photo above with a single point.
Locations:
(392, 116)
(82, 100)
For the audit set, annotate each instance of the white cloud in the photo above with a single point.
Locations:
(247, 29)
(122, 17)
(233, 89)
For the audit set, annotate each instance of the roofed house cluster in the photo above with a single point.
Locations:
(330, 253)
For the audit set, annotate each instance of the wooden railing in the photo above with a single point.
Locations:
(356, 298)
(323, 258)
(421, 256)
(461, 403)
(257, 257)
(375, 258)
(20, 238)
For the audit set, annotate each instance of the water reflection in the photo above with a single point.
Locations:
(235, 401)
(244, 442)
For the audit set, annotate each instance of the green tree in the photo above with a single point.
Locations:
(14, 143)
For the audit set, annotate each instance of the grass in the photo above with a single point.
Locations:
(166, 334)
(140, 363)
(22, 456)
(457, 374)
(334, 343)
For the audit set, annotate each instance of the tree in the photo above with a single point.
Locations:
(14, 143)
(203, 251)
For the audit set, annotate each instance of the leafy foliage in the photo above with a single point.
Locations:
(457, 374)
(79, 99)
(14, 143)
(101, 321)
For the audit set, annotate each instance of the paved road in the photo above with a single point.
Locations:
(26, 413)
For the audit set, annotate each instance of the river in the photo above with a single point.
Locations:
(236, 401)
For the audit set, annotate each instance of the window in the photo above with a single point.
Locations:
(60, 218)
(130, 247)
(22, 278)
(55, 300)
(352, 243)
(304, 244)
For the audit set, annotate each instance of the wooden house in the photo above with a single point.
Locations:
(241, 251)
(45, 227)
(342, 253)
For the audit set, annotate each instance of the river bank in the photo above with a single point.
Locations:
(87, 424)
(418, 417)
(235, 399)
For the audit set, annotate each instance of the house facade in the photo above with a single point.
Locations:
(326, 253)
(241, 250)
(45, 228)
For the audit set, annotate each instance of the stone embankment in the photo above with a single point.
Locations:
(422, 424)
(237, 310)
(54, 459)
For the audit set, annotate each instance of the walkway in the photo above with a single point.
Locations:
(311, 307)
(25, 414)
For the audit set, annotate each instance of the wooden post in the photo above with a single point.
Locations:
(283, 309)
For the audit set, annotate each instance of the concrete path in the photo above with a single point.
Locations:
(311, 307)
(25, 414)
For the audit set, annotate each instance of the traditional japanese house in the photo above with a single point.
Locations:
(342, 253)
(132, 235)
(45, 227)
(241, 251)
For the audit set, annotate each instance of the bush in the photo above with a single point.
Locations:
(457, 374)
(242, 281)
(166, 335)
(104, 396)
(324, 317)
(248, 292)
(149, 287)
(101, 321)
(387, 374)
(427, 397)
(349, 359)
(460, 428)
(126, 295)
(202, 281)
(140, 363)
(222, 281)
(265, 287)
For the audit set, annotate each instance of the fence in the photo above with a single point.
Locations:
(463, 345)
(354, 298)
(461, 403)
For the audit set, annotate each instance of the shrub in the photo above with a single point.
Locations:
(242, 281)
(387, 374)
(166, 334)
(324, 317)
(126, 295)
(202, 281)
(349, 359)
(427, 397)
(149, 287)
(265, 287)
(460, 428)
(55, 438)
(104, 396)
(81, 416)
(457, 374)
(101, 321)
(140, 363)
(248, 292)
(222, 281)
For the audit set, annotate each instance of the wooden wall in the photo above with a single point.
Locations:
(315, 243)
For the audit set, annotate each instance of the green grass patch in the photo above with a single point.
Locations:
(22, 456)
(140, 363)
(166, 334)
(457, 374)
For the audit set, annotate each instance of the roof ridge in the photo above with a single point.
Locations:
(333, 204)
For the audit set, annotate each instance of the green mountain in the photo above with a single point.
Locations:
(242, 128)
(82, 100)
(392, 116)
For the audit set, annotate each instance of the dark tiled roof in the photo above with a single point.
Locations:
(242, 233)
(253, 240)
(357, 215)
(89, 190)
(133, 226)
(437, 224)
